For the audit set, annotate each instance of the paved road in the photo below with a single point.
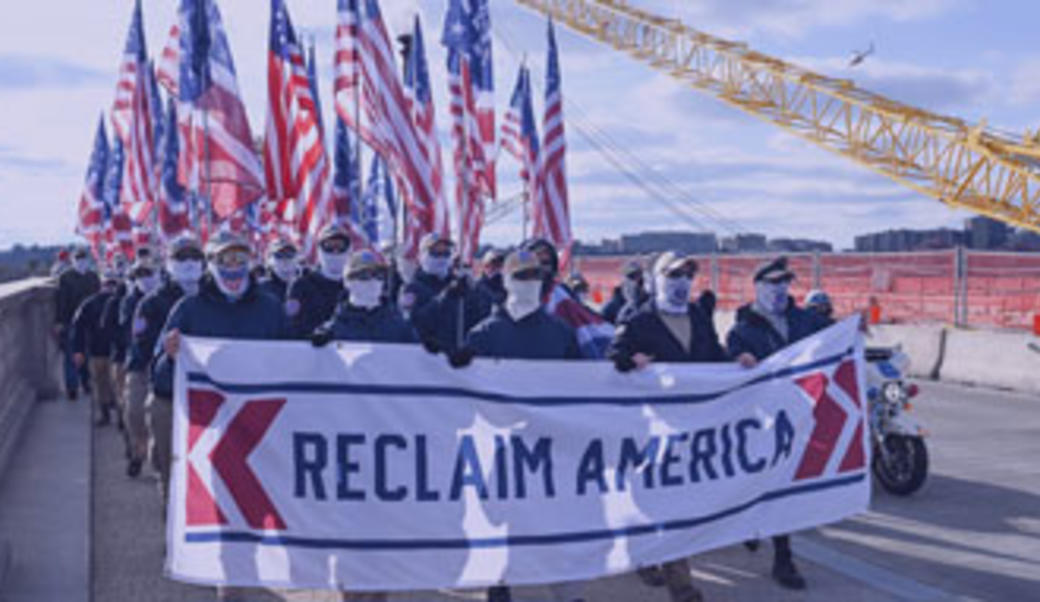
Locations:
(973, 532)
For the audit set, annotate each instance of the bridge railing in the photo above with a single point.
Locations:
(29, 366)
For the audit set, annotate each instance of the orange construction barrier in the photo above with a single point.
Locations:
(1036, 324)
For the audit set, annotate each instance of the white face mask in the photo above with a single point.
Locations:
(186, 273)
(285, 269)
(672, 294)
(523, 297)
(332, 264)
(630, 289)
(80, 264)
(233, 283)
(147, 284)
(772, 297)
(436, 266)
(366, 294)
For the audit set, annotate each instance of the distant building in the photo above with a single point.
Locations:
(745, 243)
(987, 233)
(1024, 240)
(698, 243)
(895, 241)
(799, 245)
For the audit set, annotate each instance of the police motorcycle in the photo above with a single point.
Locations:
(900, 457)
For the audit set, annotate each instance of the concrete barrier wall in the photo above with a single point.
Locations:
(989, 358)
(993, 359)
(29, 366)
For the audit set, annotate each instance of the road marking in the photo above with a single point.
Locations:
(868, 574)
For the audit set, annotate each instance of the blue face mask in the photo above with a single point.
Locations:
(233, 282)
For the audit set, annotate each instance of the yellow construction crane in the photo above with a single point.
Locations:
(961, 164)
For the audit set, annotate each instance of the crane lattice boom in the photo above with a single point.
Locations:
(960, 164)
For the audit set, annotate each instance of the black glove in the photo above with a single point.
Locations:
(321, 337)
(461, 358)
(456, 288)
(430, 345)
(624, 364)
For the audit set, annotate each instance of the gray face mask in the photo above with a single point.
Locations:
(436, 265)
(772, 297)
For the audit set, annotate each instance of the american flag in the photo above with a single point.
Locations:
(593, 332)
(158, 111)
(294, 157)
(551, 213)
(135, 59)
(220, 152)
(467, 35)
(520, 131)
(312, 80)
(174, 213)
(420, 103)
(346, 183)
(118, 231)
(169, 61)
(390, 131)
(91, 203)
(139, 193)
(365, 213)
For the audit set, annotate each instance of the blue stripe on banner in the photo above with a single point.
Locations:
(435, 391)
(512, 540)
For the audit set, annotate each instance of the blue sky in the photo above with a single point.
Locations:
(730, 172)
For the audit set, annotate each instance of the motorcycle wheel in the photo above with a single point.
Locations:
(907, 465)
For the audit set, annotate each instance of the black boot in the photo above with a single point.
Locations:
(133, 468)
(784, 571)
(499, 593)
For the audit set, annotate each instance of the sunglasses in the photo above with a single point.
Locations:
(335, 245)
(233, 258)
(681, 273)
(370, 274)
(528, 275)
(188, 254)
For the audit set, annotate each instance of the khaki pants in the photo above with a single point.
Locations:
(135, 395)
(119, 385)
(160, 432)
(101, 380)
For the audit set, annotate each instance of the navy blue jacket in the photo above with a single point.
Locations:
(148, 320)
(125, 325)
(383, 324)
(752, 333)
(275, 286)
(73, 289)
(88, 336)
(645, 332)
(493, 288)
(310, 302)
(421, 290)
(438, 319)
(110, 323)
(537, 336)
(614, 311)
(211, 314)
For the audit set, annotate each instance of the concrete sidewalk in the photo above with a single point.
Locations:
(44, 506)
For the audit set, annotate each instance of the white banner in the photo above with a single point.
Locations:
(379, 467)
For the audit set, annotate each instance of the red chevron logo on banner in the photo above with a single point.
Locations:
(831, 419)
(229, 458)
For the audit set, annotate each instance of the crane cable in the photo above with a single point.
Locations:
(664, 190)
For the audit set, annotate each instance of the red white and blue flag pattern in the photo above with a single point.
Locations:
(221, 154)
(551, 210)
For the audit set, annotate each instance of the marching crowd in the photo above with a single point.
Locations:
(120, 330)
